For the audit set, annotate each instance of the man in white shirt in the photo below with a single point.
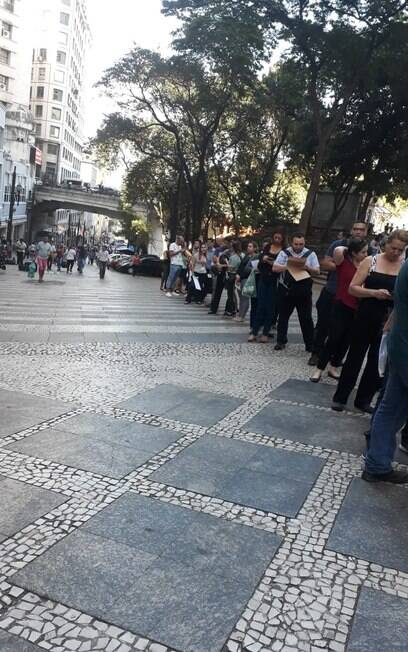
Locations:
(43, 251)
(176, 250)
(296, 266)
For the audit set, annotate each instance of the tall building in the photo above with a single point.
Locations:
(62, 39)
(17, 150)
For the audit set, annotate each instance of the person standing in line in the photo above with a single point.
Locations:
(165, 265)
(20, 250)
(43, 250)
(325, 302)
(71, 257)
(392, 412)
(373, 284)
(347, 260)
(220, 269)
(235, 260)
(267, 290)
(295, 289)
(242, 276)
(176, 251)
(197, 269)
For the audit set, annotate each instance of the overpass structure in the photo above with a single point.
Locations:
(48, 199)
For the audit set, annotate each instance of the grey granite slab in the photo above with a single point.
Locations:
(86, 452)
(245, 473)
(177, 576)
(22, 504)
(368, 525)
(305, 391)
(311, 426)
(380, 623)
(10, 643)
(20, 410)
(86, 572)
(183, 404)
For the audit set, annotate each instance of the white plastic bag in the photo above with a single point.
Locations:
(383, 355)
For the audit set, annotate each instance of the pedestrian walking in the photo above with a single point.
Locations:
(43, 251)
(103, 259)
(51, 256)
(81, 258)
(70, 259)
(296, 265)
(176, 251)
(59, 258)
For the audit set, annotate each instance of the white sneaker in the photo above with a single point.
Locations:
(169, 294)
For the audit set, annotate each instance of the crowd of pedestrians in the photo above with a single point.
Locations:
(45, 255)
(353, 309)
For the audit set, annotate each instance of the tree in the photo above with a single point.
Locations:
(335, 45)
(170, 110)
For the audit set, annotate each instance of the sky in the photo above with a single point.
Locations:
(115, 29)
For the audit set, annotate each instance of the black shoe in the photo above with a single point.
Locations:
(271, 336)
(211, 312)
(338, 407)
(395, 477)
(309, 349)
(280, 347)
(364, 407)
(313, 360)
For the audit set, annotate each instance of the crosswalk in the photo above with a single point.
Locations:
(71, 308)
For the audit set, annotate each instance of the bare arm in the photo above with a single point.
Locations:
(357, 288)
(328, 264)
(279, 268)
(313, 271)
(338, 255)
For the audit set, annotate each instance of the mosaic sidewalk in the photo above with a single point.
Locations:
(168, 487)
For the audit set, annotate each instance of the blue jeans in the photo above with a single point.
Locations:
(175, 270)
(391, 415)
(266, 301)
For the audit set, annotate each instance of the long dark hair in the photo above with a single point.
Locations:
(354, 246)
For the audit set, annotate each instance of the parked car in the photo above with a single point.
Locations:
(149, 265)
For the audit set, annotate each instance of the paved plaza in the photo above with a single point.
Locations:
(168, 487)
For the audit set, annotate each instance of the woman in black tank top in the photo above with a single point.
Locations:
(374, 285)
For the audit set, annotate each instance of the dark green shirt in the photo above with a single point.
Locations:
(398, 340)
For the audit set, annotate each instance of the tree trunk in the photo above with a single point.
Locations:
(313, 189)
(362, 213)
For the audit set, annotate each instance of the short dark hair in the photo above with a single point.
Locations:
(354, 246)
(299, 235)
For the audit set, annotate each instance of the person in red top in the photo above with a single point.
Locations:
(347, 260)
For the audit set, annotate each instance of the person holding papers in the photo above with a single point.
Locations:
(296, 266)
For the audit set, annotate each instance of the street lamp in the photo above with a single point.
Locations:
(14, 194)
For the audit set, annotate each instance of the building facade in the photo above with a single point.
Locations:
(17, 151)
(62, 39)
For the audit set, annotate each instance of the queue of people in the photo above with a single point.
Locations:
(353, 309)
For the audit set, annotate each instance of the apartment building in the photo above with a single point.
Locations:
(62, 40)
(17, 149)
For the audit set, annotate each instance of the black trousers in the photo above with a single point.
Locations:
(230, 306)
(365, 339)
(20, 259)
(219, 287)
(70, 265)
(197, 295)
(303, 305)
(341, 325)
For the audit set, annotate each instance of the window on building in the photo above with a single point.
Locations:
(4, 83)
(39, 111)
(40, 92)
(61, 57)
(5, 56)
(8, 5)
(64, 18)
(38, 129)
(59, 76)
(56, 113)
(57, 95)
(54, 131)
(63, 38)
(6, 29)
(52, 149)
(42, 55)
(41, 74)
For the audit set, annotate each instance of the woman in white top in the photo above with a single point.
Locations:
(70, 258)
(198, 274)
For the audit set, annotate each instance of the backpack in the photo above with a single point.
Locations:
(291, 288)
